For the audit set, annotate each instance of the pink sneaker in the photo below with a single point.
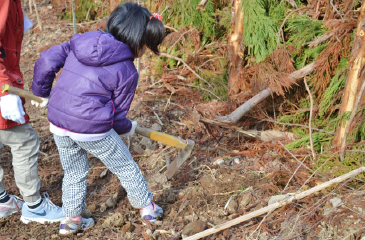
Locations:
(13, 205)
(152, 212)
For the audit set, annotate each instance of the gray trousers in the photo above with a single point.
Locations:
(112, 151)
(24, 143)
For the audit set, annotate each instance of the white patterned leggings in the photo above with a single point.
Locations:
(114, 154)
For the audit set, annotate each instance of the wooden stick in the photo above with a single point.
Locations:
(310, 119)
(38, 18)
(30, 6)
(276, 205)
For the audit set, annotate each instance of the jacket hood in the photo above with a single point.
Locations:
(97, 48)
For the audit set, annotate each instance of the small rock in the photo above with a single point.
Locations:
(49, 7)
(86, 213)
(246, 199)
(336, 202)
(172, 213)
(114, 220)
(194, 227)
(219, 162)
(116, 195)
(327, 211)
(103, 207)
(156, 127)
(110, 202)
(149, 232)
(236, 161)
(104, 173)
(158, 223)
(232, 206)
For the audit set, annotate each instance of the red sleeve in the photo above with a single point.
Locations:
(4, 10)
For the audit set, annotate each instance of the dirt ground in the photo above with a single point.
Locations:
(228, 174)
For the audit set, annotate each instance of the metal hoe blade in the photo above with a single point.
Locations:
(181, 158)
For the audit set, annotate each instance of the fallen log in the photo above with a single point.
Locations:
(276, 205)
(237, 114)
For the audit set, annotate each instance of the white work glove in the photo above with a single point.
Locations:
(132, 131)
(12, 108)
(43, 104)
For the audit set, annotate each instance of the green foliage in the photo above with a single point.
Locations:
(297, 117)
(224, 17)
(328, 163)
(88, 10)
(337, 83)
(218, 80)
(342, 118)
(307, 56)
(185, 13)
(320, 141)
(158, 66)
(261, 26)
(303, 29)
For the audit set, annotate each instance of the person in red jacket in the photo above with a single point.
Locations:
(15, 131)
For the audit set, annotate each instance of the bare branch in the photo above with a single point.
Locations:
(310, 119)
(237, 114)
(276, 205)
(179, 59)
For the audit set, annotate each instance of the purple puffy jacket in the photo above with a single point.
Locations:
(96, 86)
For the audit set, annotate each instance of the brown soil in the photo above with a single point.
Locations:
(227, 175)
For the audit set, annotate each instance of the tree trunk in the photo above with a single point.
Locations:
(353, 81)
(235, 52)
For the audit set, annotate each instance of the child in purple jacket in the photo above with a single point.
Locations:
(88, 106)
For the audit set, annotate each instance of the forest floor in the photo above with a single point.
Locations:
(228, 174)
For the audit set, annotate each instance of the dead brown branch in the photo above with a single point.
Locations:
(237, 114)
(320, 40)
(173, 45)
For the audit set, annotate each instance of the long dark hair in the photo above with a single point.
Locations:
(135, 26)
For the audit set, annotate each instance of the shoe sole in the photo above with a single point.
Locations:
(26, 220)
(77, 231)
(8, 214)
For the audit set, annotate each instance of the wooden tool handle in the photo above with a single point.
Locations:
(20, 92)
(161, 137)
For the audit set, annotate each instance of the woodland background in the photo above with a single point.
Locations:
(271, 92)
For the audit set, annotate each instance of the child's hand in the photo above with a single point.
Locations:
(12, 108)
(132, 131)
(43, 104)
